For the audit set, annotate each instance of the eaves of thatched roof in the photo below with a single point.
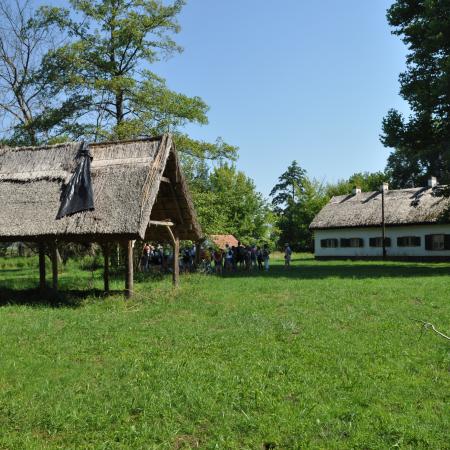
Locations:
(133, 182)
(402, 207)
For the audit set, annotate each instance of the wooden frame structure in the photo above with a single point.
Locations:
(139, 193)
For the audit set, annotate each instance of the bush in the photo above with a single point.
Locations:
(91, 262)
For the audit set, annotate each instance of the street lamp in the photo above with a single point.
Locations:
(384, 188)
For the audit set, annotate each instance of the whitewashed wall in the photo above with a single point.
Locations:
(393, 233)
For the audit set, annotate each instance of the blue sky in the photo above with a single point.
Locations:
(294, 79)
(308, 80)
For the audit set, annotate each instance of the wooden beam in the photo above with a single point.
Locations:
(129, 269)
(162, 223)
(105, 249)
(54, 253)
(42, 285)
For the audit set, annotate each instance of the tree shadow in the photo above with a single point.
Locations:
(70, 298)
(322, 270)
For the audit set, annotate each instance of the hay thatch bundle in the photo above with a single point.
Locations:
(133, 182)
(402, 207)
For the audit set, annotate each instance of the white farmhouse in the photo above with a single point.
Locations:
(351, 226)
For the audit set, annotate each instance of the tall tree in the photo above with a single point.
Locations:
(32, 107)
(113, 44)
(422, 143)
(288, 186)
(311, 199)
(296, 200)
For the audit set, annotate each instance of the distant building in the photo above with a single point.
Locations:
(350, 226)
(220, 240)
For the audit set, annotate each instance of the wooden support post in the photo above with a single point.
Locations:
(42, 268)
(176, 263)
(54, 253)
(105, 249)
(129, 269)
(175, 259)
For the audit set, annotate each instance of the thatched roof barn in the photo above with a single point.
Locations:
(136, 190)
(133, 182)
(405, 223)
(402, 207)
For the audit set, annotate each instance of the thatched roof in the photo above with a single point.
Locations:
(221, 240)
(133, 182)
(402, 207)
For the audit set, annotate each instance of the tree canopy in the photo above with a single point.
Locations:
(366, 181)
(227, 202)
(421, 142)
(296, 200)
(84, 72)
(33, 107)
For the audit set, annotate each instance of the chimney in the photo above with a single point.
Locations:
(356, 190)
(432, 182)
(384, 187)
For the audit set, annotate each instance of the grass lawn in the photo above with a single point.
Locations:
(324, 355)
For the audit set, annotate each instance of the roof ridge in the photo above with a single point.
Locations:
(91, 144)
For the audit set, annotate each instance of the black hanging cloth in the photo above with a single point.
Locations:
(78, 195)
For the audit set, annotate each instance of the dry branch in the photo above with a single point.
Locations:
(430, 326)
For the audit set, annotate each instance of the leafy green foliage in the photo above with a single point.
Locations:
(323, 354)
(290, 183)
(421, 143)
(366, 181)
(227, 202)
(296, 200)
(111, 47)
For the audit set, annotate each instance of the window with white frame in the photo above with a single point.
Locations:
(378, 242)
(437, 242)
(408, 241)
(352, 242)
(329, 243)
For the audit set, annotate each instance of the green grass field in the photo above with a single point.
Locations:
(324, 356)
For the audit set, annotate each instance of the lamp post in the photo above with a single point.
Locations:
(384, 188)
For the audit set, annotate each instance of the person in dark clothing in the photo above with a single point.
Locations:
(259, 257)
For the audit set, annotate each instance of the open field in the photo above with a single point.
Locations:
(321, 356)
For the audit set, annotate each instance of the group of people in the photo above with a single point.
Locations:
(155, 256)
(231, 258)
(160, 258)
(247, 257)
(210, 259)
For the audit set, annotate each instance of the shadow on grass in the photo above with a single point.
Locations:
(62, 299)
(349, 270)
